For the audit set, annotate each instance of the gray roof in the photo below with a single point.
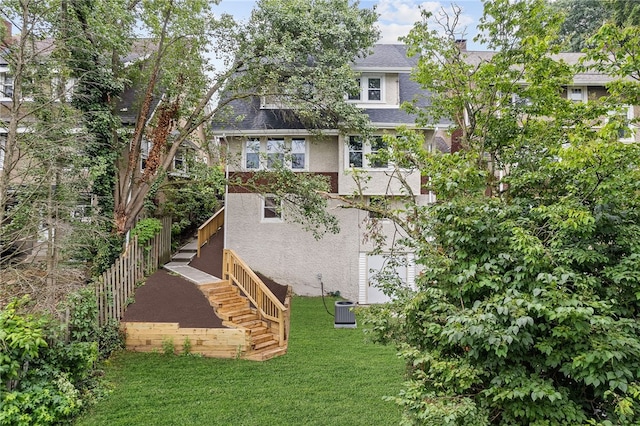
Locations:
(385, 57)
(591, 77)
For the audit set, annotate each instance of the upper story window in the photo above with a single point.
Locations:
(298, 154)
(6, 84)
(362, 153)
(145, 148)
(520, 101)
(624, 117)
(179, 164)
(371, 88)
(577, 94)
(273, 152)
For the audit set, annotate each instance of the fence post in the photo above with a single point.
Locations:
(116, 285)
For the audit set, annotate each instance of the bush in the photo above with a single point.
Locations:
(48, 370)
(43, 379)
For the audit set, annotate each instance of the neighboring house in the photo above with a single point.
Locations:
(127, 107)
(255, 226)
(586, 86)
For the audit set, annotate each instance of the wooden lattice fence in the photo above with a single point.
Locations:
(115, 287)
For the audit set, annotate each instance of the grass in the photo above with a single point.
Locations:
(329, 377)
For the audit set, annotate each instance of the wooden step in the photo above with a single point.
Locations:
(261, 338)
(222, 290)
(228, 298)
(258, 330)
(235, 312)
(265, 344)
(265, 354)
(242, 319)
(231, 305)
(254, 323)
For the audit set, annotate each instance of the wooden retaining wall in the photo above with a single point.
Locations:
(209, 342)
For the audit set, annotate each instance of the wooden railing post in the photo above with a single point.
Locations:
(281, 330)
(268, 306)
(209, 228)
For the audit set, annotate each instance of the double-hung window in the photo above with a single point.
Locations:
(369, 153)
(252, 154)
(623, 118)
(179, 164)
(298, 154)
(271, 209)
(275, 152)
(374, 89)
(6, 84)
(520, 101)
(370, 89)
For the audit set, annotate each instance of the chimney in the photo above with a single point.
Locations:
(461, 44)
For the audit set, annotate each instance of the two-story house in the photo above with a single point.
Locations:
(257, 229)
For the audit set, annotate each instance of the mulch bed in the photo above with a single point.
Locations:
(168, 298)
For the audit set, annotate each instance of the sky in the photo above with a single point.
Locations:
(396, 16)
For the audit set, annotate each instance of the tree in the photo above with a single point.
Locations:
(624, 12)
(41, 180)
(582, 19)
(285, 51)
(525, 308)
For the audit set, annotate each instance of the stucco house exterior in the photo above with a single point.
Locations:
(282, 250)
(344, 262)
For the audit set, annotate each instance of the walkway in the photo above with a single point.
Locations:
(174, 296)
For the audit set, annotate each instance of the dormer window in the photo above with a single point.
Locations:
(374, 89)
(577, 94)
(371, 88)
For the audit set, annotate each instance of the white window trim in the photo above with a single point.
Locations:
(364, 92)
(181, 171)
(262, 153)
(517, 100)
(366, 152)
(263, 208)
(584, 93)
(4, 71)
(631, 127)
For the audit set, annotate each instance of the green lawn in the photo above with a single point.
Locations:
(329, 377)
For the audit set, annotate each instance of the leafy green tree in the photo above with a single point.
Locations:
(624, 12)
(526, 304)
(582, 19)
(286, 51)
(42, 178)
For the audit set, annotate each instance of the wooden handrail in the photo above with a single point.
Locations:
(267, 304)
(209, 228)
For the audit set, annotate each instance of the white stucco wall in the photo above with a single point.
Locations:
(290, 255)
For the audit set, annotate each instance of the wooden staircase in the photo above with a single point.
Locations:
(236, 311)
